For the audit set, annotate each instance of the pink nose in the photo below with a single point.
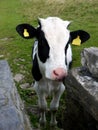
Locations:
(59, 74)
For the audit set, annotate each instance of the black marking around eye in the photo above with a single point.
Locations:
(43, 47)
(67, 45)
(70, 65)
(66, 48)
(35, 70)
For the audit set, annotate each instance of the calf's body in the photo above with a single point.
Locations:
(51, 56)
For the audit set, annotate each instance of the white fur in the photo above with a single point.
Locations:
(44, 88)
(57, 36)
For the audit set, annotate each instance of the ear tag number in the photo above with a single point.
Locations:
(26, 34)
(77, 41)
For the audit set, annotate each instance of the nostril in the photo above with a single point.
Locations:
(59, 74)
(55, 73)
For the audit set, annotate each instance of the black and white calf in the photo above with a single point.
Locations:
(52, 56)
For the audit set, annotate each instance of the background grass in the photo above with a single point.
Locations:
(82, 13)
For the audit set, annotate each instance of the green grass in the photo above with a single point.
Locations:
(82, 13)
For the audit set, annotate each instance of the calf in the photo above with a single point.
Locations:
(52, 57)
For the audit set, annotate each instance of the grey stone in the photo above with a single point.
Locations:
(18, 77)
(25, 85)
(1, 56)
(84, 89)
(12, 112)
(6, 38)
(82, 97)
(89, 59)
(22, 60)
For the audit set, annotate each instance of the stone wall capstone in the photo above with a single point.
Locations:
(82, 93)
(12, 113)
(89, 59)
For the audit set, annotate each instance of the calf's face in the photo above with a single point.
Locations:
(52, 41)
(53, 50)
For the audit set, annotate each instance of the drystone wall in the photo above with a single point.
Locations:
(82, 93)
(12, 113)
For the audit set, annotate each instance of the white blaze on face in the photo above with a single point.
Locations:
(57, 36)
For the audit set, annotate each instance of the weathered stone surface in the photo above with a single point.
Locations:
(12, 113)
(82, 98)
(82, 93)
(89, 59)
(84, 89)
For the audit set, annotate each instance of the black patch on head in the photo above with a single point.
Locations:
(66, 47)
(70, 65)
(35, 70)
(43, 47)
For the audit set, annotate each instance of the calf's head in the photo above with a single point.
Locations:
(54, 52)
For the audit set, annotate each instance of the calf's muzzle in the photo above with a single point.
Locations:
(59, 74)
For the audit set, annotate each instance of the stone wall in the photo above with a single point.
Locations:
(82, 93)
(12, 113)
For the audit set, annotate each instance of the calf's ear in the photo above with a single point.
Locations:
(26, 31)
(78, 37)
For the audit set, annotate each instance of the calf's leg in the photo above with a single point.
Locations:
(55, 104)
(41, 101)
(43, 107)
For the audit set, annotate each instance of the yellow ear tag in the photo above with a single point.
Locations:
(77, 41)
(26, 34)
